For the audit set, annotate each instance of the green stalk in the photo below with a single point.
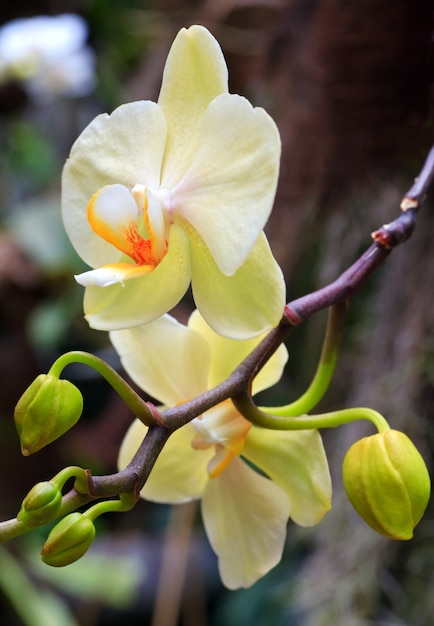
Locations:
(247, 408)
(326, 367)
(137, 405)
(125, 502)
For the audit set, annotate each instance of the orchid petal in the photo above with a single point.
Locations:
(296, 461)
(243, 305)
(245, 518)
(228, 193)
(194, 74)
(164, 358)
(227, 354)
(179, 474)
(142, 300)
(111, 274)
(125, 147)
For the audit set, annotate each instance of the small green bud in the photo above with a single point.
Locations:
(68, 540)
(41, 505)
(45, 411)
(387, 482)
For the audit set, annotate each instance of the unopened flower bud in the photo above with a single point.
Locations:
(387, 482)
(41, 505)
(45, 411)
(68, 540)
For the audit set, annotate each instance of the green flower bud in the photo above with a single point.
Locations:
(45, 411)
(41, 505)
(68, 540)
(387, 482)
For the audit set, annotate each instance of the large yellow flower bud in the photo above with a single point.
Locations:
(387, 482)
(45, 411)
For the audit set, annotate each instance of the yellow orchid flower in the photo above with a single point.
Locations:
(244, 512)
(156, 195)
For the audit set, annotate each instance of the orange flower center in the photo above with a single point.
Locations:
(135, 222)
(224, 428)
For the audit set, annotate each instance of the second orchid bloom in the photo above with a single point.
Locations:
(160, 194)
(245, 510)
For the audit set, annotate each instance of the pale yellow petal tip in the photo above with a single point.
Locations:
(199, 34)
(112, 274)
(307, 518)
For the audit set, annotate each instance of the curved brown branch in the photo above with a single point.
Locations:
(416, 194)
(342, 289)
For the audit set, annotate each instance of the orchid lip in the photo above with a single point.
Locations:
(223, 428)
(134, 222)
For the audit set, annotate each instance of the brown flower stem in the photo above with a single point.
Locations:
(340, 290)
(238, 383)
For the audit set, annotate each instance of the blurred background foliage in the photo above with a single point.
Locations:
(350, 87)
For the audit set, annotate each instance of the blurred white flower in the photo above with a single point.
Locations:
(49, 55)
